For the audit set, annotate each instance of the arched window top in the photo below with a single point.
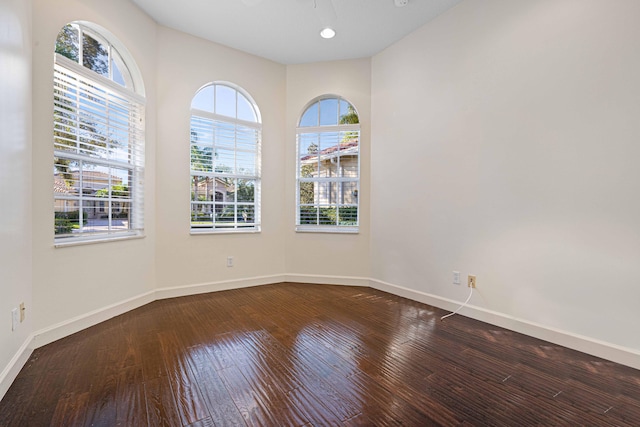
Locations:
(226, 99)
(329, 110)
(97, 50)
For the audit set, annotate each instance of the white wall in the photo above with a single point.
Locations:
(15, 177)
(505, 144)
(318, 254)
(506, 130)
(185, 64)
(73, 281)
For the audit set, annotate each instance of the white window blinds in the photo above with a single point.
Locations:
(328, 167)
(225, 161)
(98, 155)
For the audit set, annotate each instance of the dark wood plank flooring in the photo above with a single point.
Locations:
(312, 355)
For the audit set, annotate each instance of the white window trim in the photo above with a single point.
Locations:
(257, 201)
(331, 229)
(207, 231)
(92, 239)
(67, 66)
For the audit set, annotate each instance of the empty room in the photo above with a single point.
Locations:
(319, 212)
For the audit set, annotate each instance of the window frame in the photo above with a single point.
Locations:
(77, 86)
(217, 204)
(319, 129)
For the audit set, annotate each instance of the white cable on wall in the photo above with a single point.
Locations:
(458, 309)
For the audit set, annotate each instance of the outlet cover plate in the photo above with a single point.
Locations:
(15, 319)
(456, 277)
(471, 281)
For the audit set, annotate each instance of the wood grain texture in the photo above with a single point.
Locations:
(295, 354)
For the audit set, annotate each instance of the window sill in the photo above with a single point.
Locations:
(90, 240)
(327, 229)
(209, 231)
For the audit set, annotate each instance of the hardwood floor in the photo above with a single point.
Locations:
(312, 355)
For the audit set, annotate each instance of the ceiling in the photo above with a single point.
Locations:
(287, 31)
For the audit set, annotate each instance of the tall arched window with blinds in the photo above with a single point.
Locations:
(98, 138)
(225, 141)
(328, 166)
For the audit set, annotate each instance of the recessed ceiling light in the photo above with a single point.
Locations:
(327, 33)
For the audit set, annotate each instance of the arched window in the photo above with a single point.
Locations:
(225, 160)
(328, 166)
(98, 137)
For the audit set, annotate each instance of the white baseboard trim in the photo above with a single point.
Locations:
(615, 353)
(623, 355)
(11, 371)
(78, 323)
(318, 279)
(225, 285)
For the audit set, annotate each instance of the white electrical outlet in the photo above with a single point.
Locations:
(456, 277)
(15, 319)
(229, 261)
